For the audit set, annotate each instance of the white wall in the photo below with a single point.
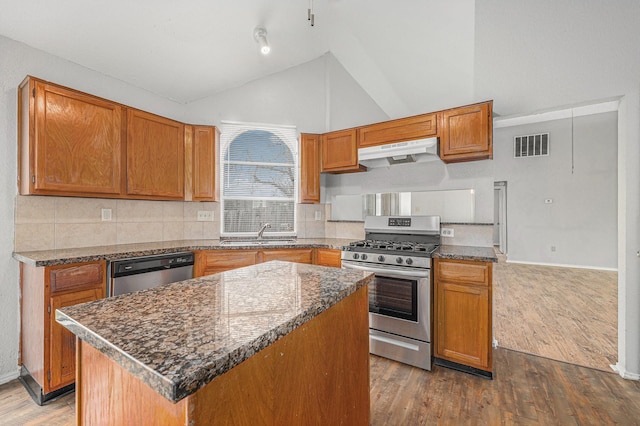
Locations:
(543, 54)
(316, 97)
(16, 62)
(581, 222)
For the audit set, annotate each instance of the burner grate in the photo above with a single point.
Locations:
(393, 246)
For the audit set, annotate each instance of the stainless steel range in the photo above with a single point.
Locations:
(398, 250)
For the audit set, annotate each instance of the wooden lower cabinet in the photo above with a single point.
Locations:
(301, 255)
(462, 313)
(329, 257)
(209, 262)
(48, 350)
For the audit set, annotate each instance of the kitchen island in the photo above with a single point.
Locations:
(274, 343)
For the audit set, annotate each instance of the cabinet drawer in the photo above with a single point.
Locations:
(289, 255)
(329, 257)
(404, 129)
(463, 271)
(66, 277)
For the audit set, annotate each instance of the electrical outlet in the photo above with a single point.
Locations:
(446, 232)
(494, 343)
(553, 248)
(106, 215)
(318, 215)
(205, 216)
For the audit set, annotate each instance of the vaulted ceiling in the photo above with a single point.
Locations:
(410, 56)
(188, 50)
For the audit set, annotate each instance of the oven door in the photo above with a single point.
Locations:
(399, 300)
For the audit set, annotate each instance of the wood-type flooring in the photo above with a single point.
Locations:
(566, 314)
(526, 390)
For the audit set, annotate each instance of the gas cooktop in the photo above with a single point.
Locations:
(386, 246)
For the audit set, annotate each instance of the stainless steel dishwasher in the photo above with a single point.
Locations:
(139, 273)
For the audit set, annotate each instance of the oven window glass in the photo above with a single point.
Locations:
(394, 297)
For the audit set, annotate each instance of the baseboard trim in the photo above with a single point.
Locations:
(625, 374)
(7, 377)
(563, 265)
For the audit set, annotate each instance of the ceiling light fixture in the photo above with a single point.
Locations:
(260, 34)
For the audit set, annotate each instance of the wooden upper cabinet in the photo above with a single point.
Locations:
(202, 151)
(466, 133)
(70, 143)
(404, 129)
(340, 152)
(155, 156)
(309, 168)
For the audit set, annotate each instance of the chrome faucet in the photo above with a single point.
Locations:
(262, 228)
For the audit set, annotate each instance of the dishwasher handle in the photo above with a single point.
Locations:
(144, 264)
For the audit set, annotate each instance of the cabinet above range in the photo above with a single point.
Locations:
(75, 144)
(464, 133)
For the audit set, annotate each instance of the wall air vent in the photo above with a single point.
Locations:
(531, 145)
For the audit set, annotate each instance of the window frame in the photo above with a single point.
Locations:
(229, 130)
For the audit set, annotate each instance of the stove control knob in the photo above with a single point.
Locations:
(409, 261)
(356, 256)
(364, 257)
(398, 260)
(380, 258)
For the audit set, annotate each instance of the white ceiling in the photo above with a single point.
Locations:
(188, 50)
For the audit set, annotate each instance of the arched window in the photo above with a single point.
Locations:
(259, 167)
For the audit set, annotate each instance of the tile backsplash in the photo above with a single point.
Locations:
(48, 223)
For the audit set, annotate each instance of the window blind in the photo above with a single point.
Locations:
(259, 178)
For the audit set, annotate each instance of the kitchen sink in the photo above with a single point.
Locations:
(256, 242)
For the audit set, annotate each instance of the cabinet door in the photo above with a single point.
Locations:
(289, 255)
(463, 332)
(329, 257)
(466, 133)
(309, 168)
(62, 355)
(77, 145)
(205, 144)
(404, 129)
(155, 156)
(209, 262)
(340, 152)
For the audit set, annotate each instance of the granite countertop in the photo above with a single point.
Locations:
(179, 337)
(478, 254)
(123, 251)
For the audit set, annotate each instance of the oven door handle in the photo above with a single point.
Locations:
(387, 271)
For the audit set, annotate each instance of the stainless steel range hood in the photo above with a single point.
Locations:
(399, 153)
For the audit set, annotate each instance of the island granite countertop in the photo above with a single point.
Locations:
(478, 254)
(179, 337)
(123, 251)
